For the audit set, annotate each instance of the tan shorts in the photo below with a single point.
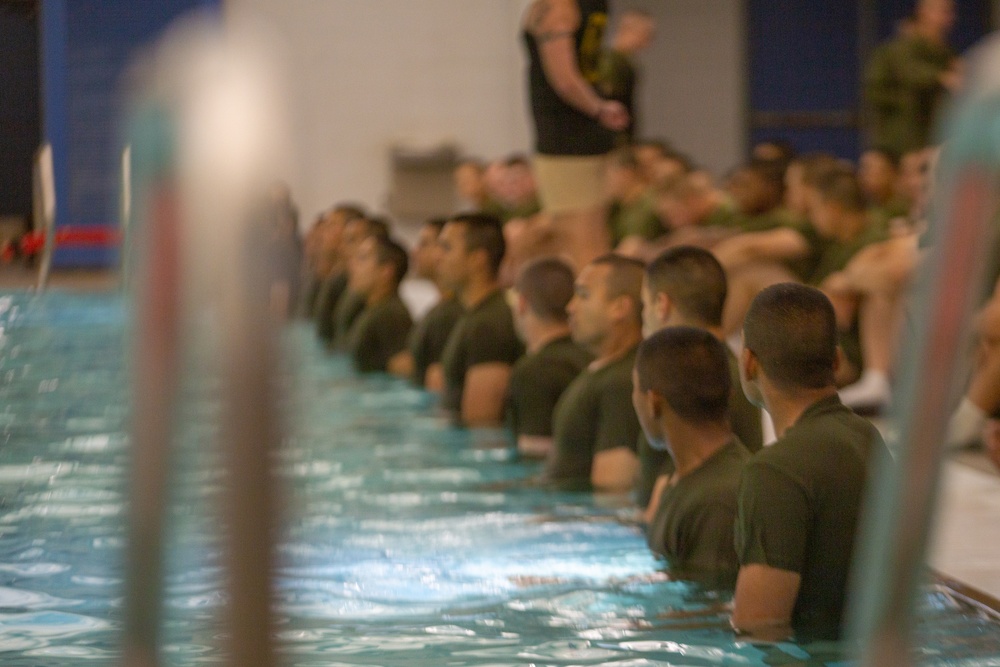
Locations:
(569, 182)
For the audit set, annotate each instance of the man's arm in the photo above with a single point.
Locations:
(484, 393)
(614, 469)
(534, 446)
(781, 244)
(764, 600)
(553, 24)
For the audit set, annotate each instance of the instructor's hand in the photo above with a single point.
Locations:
(613, 115)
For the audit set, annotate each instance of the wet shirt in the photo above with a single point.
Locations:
(483, 334)
(594, 414)
(378, 334)
(693, 524)
(428, 338)
(799, 503)
(537, 382)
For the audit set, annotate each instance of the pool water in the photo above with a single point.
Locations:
(405, 541)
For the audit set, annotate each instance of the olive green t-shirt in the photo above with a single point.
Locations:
(693, 524)
(537, 382)
(378, 334)
(799, 504)
(428, 338)
(903, 91)
(744, 418)
(328, 297)
(348, 308)
(832, 255)
(638, 218)
(483, 334)
(594, 414)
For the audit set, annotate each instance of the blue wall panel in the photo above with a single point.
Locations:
(90, 45)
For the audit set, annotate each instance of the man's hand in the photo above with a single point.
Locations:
(613, 115)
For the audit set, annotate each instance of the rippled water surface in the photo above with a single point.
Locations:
(406, 542)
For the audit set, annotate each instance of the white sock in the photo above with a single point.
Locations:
(870, 391)
(966, 425)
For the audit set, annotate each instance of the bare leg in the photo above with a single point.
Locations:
(582, 235)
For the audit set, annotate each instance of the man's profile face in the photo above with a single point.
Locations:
(650, 318)
(427, 253)
(453, 267)
(363, 269)
(589, 319)
(643, 411)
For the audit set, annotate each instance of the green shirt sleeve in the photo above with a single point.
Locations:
(772, 525)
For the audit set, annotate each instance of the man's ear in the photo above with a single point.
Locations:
(662, 305)
(656, 404)
(520, 304)
(749, 365)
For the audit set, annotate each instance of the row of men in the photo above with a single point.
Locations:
(605, 408)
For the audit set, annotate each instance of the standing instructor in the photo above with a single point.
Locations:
(574, 126)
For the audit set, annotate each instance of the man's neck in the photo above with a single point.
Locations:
(679, 320)
(786, 407)
(700, 444)
(544, 333)
(476, 291)
(615, 345)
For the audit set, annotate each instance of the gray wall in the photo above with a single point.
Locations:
(695, 82)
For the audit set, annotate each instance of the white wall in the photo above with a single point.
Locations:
(367, 74)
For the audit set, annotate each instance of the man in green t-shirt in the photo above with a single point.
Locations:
(800, 499)
(908, 77)
(544, 288)
(681, 393)
(594, 425)
(482, 348)
(686, 286)
(429, 336)
(376, 340)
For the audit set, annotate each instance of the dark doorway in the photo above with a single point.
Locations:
(20, 115)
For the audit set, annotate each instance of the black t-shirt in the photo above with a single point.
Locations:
(429, 337)
(693, 524)
(537, 382)
(595, 414)
(328, 297)
(378, 334)
(484, 334)
(799, 504)
(559, 128)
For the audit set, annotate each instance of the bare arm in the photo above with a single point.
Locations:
(534, 446)
(552, 24)
(614, 469)
(764, 600)
(484, 393)
(401, 364)
(775, 245)
(434, 378)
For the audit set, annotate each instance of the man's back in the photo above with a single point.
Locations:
(799, 505)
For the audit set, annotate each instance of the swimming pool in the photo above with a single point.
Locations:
(405, 541)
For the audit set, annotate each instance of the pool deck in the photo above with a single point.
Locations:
(966, 542)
